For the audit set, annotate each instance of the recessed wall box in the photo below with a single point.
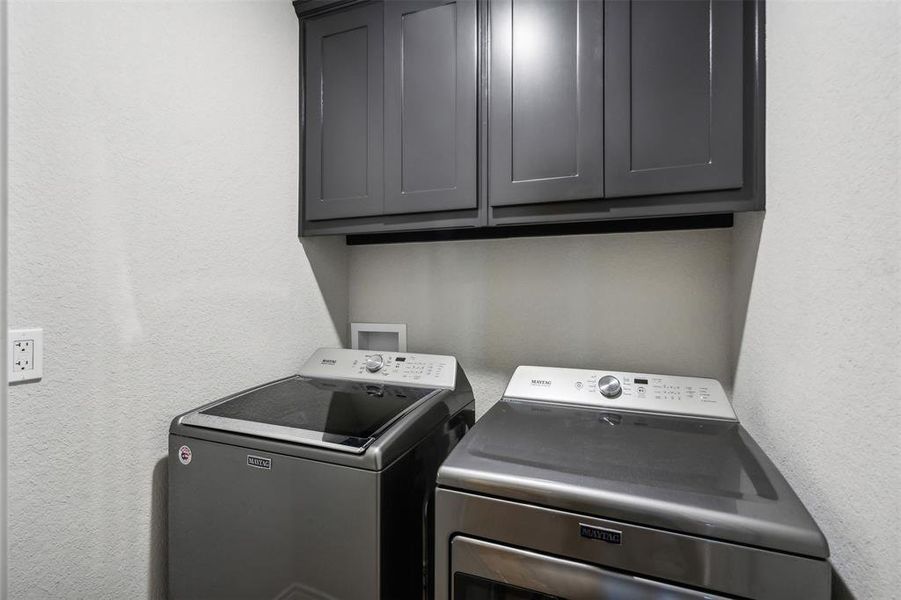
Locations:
(390, 337)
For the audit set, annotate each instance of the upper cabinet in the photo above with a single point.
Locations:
(344, 122)
(390, 111)
(449, 114)
(546, 103)
(673, 103)
(430, 106)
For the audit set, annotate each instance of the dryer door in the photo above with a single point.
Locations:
(485, 571)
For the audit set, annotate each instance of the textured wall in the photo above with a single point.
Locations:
(648, 301)
(3, 295)
(153, 236)
(818, 356)
(153, 170)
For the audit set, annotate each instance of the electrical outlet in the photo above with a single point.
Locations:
(26, 354)
(23, 355)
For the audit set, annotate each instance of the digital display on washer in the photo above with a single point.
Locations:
(400, 359)
(641, 381)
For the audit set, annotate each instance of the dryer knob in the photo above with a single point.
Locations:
(609, 386)
(374, 363)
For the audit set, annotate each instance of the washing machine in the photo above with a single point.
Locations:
(316, 486)
(592, 484)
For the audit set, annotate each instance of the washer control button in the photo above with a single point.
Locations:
(374, 363)
(610, 386)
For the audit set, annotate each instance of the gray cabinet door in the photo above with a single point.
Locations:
(343, 114)
(430, 105)
(673, 96)
(545, 121)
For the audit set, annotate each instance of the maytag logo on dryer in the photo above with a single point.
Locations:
(258, 462)
(329, 361)
(611, 536)
(541, 382)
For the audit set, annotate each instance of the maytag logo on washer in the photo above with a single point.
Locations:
(185, 455)
(541, 382)
(611, 536)
(258, 462)
(328, 361)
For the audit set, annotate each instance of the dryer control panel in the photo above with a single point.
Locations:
(397, 368)
(636, 392)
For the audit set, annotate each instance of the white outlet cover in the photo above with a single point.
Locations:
(25, 349)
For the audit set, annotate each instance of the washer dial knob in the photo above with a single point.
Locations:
(609, 386)
(374, 363)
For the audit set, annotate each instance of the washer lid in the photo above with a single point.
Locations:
(340, 415)
(699, 476)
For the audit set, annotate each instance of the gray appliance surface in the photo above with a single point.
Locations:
(339, 415)
(696, 476)
(237, 532)
(254, 517)
(587, 483)
(393, 424)
(335, 408)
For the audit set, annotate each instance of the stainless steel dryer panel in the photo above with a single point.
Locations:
(697, 476)
(670, 501)
(662, 561)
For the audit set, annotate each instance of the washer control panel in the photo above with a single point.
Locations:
(398, 368)
(636, 392)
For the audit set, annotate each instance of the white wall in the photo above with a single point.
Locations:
(818, 378)
(3, 230)
(153, 211)
(153, 165)
(647, 301)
